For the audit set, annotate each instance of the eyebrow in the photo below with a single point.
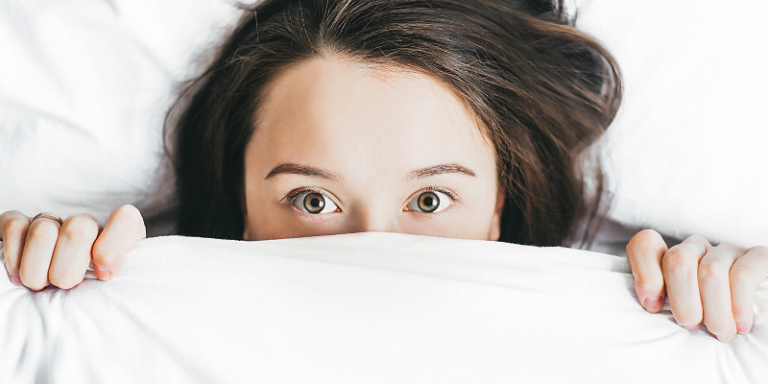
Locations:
(304, 170)
(441, 169)
(307, 170)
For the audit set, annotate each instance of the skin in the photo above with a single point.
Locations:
(371, 129)
(365, 138)
(43, 252)
(714, 285)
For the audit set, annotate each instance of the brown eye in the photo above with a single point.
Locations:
(314, 202)
(428, 202)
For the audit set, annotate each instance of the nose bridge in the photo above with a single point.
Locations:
(374, 218)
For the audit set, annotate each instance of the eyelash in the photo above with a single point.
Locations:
(298, 191)
(454, 197)
(292, 194)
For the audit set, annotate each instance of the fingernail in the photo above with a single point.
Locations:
(15, 279)
(742, 329)
(102, 271)
(725, 338)
(652, 303)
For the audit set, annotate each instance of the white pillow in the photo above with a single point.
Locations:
(688, 153)
(84, 87)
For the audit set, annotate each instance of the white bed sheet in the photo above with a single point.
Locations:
(362, 308)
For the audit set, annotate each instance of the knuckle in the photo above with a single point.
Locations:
(642, 238)
(649, 234)
(15, 227)
(78, 228)
(696, 238)
(741, 276)
(44, 230)
(677, 259)
(14, 214)
(710, 272)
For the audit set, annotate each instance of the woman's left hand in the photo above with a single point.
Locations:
(713, 284)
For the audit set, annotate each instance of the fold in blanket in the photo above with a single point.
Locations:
(362, 308)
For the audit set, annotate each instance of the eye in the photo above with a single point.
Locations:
(313, 202)
(430, 202)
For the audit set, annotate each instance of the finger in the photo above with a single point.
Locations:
(680, 267)
(124, 229)
(715, 289)
(38, 251)
(73, 251)
(13, 231)
(644, 252)
(95, 221)
(747, 273)
(696, 239)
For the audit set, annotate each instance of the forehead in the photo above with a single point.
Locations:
(338, 113)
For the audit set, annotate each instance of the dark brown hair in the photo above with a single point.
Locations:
(543, 90)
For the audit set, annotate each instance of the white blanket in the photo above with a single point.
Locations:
(362, 308)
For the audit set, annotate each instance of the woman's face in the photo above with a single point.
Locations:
(342, 147)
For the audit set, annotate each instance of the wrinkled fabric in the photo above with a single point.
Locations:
(84, 89)
(366, 307)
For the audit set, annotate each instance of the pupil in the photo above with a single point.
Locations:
(428, 202)
(314, 203)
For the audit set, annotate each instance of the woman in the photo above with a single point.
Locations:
(465, 119)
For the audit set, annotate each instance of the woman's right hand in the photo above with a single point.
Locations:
(43, 252)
